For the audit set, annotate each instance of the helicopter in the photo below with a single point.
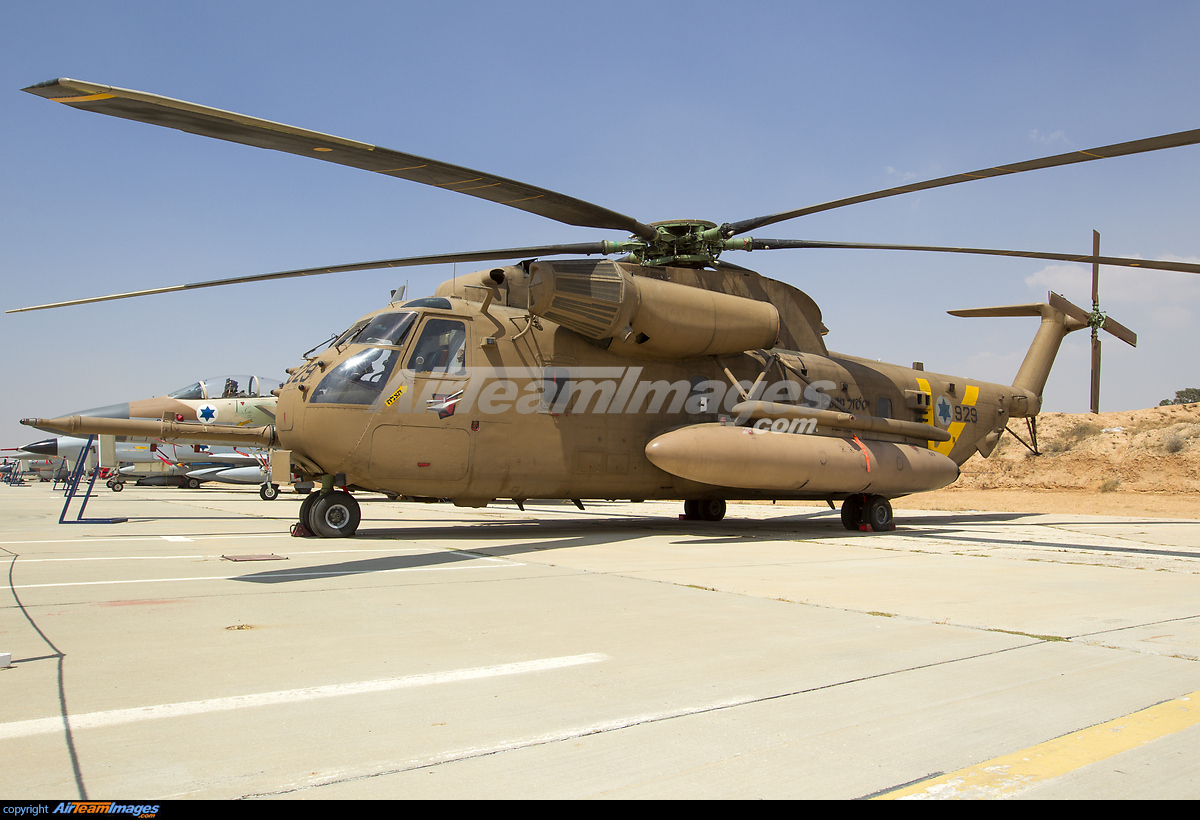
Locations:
(664, 373)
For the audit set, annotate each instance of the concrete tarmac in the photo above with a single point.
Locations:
(611, 652)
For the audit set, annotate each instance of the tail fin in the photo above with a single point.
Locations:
(1031, 378)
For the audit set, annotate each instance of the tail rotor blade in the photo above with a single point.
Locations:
(1120, 331)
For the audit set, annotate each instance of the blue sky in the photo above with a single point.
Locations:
(659, 110)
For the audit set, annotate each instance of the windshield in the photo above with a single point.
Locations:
(358, 380)
(387, 329)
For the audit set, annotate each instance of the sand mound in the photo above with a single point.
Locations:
(1156, 450)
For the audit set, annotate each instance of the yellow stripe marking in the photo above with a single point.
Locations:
(406, 168)
(460, 182)
(1011, 774)
(85, 98)
(525, 199)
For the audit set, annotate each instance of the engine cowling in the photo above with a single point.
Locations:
(648, 318)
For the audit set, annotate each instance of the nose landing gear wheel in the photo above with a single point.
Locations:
(269, 492)
(333, 515)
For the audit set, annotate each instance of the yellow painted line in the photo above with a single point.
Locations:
(1011, 774)
(85, 98)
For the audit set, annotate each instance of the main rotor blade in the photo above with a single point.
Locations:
(1104, 152)
(1120, 261)
(225, 125)
(585, 248)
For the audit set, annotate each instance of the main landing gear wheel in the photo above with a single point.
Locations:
(192, 483)
(269, 492)
(117, 486)
(332, 515)
(704, 509)
(875, 511)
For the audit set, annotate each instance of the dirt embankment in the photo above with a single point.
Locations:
(1138, 463)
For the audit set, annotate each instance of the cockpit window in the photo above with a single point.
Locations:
(226, 387)
(358, 380)
(429, 301)
(441, 348)
(350, 334)
(387, 329)
(190, 393)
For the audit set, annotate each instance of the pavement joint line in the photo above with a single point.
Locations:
(1009, 775)
(116, 717)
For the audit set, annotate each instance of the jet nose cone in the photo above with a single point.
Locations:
(46, 447)
(110, 411)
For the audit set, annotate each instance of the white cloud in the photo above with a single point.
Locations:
(1119, 284)
(905, 176)
(1052, 138)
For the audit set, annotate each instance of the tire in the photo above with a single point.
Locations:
(852, 512)
(334, 515)
(117, 486)
(879, 514)
(268, 492)
(305, 508)
(711, 509)
(192, 483)
(691, 510)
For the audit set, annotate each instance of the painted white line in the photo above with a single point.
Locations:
(146, 538)
(393, 551)
(116, 717)
(273, 576)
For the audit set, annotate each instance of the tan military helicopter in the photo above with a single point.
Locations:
(668, 373)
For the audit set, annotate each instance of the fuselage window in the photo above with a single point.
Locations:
(884, 408)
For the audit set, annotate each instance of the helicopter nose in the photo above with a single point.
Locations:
(46, 447)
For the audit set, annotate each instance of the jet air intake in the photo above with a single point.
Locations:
(648, 318)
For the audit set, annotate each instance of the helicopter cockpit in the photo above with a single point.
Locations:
(439, 348)
(226, 387)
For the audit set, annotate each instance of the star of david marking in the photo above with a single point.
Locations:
(943, 410)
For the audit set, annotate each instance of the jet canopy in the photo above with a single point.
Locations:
(227, 387)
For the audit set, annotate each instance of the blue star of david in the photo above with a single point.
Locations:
(944, 411)
(208, 413)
